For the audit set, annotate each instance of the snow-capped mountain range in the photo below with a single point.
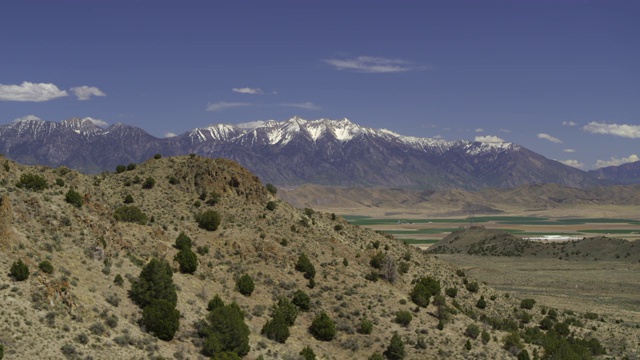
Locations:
(295, 151)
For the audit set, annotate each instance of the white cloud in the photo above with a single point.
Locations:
(628, 131)
(98, 122)
(86, 92)
(250, 124)
(221, 105)
(27, 118)
(553, 139)
(169, 134)
(569, 150)
(479, 130)
(372, 64)
(616, 162)
(505, 130)
(305, 106)
(248, 90)
(568, 123)
(488, 139)
(28, 91)
(573, 163)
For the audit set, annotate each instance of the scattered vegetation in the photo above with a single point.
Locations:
(74, 198)
(130, 213)
(46, 267)
(208, 220)
(32, 182)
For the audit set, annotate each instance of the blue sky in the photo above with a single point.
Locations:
(558, 77)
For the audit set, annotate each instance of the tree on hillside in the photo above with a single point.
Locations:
(304, 265)
(161, 318)
(19, 270)
(183, 241)
(155, 282)
(395, 350)
(188, 260)
(225, 331)
(323, 328)
(423, 290)
(208, 220)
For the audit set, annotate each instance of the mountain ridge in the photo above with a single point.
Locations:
(297, 151)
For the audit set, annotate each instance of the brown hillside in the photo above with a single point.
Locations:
(69, 313)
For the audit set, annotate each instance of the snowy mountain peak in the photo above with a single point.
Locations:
(215, 132)
(85, 125)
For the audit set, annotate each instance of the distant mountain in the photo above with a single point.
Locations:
(625, 174)
(297, 151)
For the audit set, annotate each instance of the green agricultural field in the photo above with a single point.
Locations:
(525, 226)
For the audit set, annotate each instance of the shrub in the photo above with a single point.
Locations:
(485, 337)
(149, 183)
(366, 326)
(395, 350)
(276, 329)
(183, 241)
(376, 356)
(161, 318)
(121, 169)
(403, 317)
(226, 331)
(74, 198)
(451, 292)
(131, 166)
(130, 213)
(59, 182)
(157, 156)
(423, 290)
(307, 353)
(302, 300)
(215, 303)
(546, 323)
(512, 343)
(285, 308)
(376, 261)
(128, 199)
(188, 260)
(19, 270)
(155, 283)
(202, 250)
(372, 276)
(527, 304)
(473, 287)
(272, 189)
(46, 267)
(482, 303)
(208, 220)
(304, 265)
(245, 285)
(118, 280)
(323, 328)
(271, 205)
(472, 331)
(32, 182)
(337, 227)
(1, 351)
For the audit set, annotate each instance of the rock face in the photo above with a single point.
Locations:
(297, 151)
